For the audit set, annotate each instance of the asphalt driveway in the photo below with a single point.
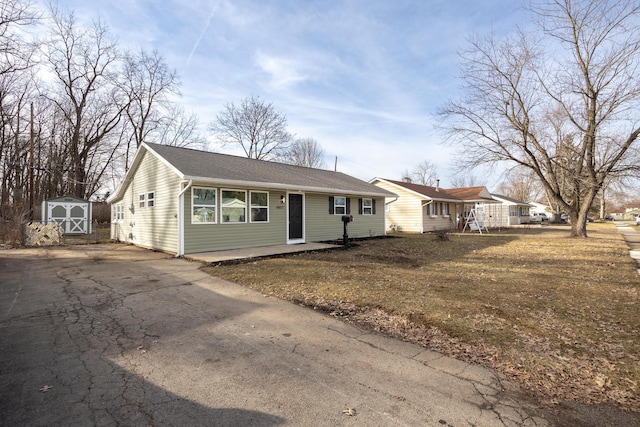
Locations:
(112, 335)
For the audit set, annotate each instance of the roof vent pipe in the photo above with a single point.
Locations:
(437, 185)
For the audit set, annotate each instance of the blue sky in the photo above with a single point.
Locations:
(362, 77)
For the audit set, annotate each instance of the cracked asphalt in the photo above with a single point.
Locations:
(114, 335)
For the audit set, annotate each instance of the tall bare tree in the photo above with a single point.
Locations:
(305, 152)
(582, 69)
(255, 126)
(84, 62)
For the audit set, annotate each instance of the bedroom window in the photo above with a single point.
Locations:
(141, 201)
(367, 207)
(234, 206)
(259, 206)
(433, 209)
(340, 205)
(203, 204)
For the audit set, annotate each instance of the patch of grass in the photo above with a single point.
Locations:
(559, 315)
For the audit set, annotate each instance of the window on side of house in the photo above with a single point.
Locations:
(151, 199)
(203, 205)
(117, 212)
(233, 206)
(513, 211)
(524, 211)
(445, 209)
(141, 199)
(259, 206)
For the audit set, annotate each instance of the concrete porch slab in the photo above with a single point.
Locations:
(259, 252)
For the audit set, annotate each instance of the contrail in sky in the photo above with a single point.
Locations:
(204, 30)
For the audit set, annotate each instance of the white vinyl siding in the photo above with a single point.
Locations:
(155, 228)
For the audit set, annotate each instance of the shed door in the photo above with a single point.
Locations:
(71, 216)
(296, 217)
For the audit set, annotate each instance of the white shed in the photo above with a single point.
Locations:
(72, 213)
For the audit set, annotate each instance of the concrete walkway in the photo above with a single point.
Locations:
(264, 251)
(631, 235)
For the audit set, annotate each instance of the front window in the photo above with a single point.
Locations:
(203, 202)
(367, 207)
(234, 206)
(513, 211)
(259, 206)
(445, 209)
(433, 209)
(340, 205)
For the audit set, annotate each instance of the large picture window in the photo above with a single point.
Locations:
(203, 201)
(234, 206)
(259, 206)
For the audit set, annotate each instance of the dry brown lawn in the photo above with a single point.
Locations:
(561, 316)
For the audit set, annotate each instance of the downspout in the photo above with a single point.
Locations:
(180, 250)
(423, 205)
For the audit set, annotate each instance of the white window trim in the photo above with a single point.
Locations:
(245, 206)
(118, 212)
(251, 206)
(433, 207)
(142, 197)
(370, 207)
(336, 205)
(215, 206)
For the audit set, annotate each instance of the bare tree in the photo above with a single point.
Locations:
(89, 102)
(583, 71)
(521, 184)
(424, 173)
(255, 126)
(305, 152)
(15, 52)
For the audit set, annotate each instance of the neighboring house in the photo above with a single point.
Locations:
(183, 201)
(420, 208)
(507, 213)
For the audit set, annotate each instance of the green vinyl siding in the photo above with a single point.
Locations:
(151, 227)
(323, 226)
(219, 236)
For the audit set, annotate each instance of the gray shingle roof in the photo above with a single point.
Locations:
(205, 165)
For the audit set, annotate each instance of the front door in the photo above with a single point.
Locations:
(296, 218)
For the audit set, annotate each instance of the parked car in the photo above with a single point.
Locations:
(608, 218)
(638, 220)
(538, 217)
